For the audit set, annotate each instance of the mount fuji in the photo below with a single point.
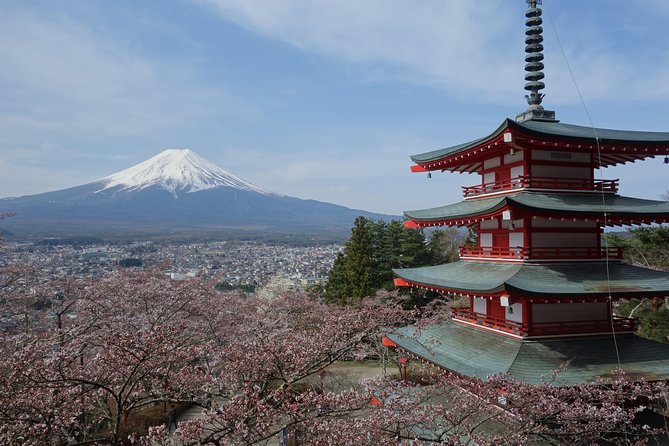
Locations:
(176, 191)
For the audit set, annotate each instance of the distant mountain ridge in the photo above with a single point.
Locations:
(176, 190)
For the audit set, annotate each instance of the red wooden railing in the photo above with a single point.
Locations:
(528, 182)
(620, 324)
(542, 253)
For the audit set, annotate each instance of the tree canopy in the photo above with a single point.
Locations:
(375, 248)
(109, 348)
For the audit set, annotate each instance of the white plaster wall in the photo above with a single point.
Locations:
(518, 224)
(517, 171)
(514, 312)
(488, 177)
(485, 239)
(491, 162)
(480, 306)
(510, 159)
(516, 239)
(588, 311)
(489, 224)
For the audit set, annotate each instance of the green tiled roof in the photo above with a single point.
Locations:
(466, 208)
(476, 353)
(558, 203)
(551, 129)
(581, 132)
(547, 279)
(590, 204)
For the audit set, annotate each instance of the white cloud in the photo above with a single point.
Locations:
(60, 75)
(470, 49)
(451, 44)
(72, 91)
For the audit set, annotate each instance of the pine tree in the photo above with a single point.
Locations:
(336, 287)
(359, 260)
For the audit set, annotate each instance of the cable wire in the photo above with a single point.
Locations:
(599, 160)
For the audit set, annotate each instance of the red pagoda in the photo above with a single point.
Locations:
(541, 283)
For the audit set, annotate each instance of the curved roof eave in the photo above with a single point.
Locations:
(552, 130)
(441, 153)
(558, 203)
(545, 279)
(559, 129)
(462, 209)
(480, 354)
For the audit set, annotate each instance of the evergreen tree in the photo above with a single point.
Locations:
(359, 260)
(336, 287)
(444, 245)
(414, 250)
(392, 253)
(369, 256)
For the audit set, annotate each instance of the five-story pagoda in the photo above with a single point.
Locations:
(541, 283)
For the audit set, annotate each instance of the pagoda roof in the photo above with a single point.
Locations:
(616, 145)
(475, 353)
(617, 208)
(546, 280)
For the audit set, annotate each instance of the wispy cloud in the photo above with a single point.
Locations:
(446, 44)
(69, 86)
(466, 48)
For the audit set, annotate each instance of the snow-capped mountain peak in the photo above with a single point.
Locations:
(177, 170)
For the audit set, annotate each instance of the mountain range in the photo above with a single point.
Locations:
(176, 191)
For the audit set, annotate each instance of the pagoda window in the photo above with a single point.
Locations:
(571, 172)
(561, 157)
(559, 240)
(568, 312)
(558, 223)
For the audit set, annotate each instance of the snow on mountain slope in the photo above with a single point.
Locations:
(177, 170)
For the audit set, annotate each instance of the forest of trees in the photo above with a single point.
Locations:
(375, 248)
(647, 247)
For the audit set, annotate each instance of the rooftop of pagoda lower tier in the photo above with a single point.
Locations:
(613, 146)
(474, 353)
(619, 209)
(541, 281)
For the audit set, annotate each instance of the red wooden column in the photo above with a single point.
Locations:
(527, 314)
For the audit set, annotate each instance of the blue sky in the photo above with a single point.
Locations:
(314, 99)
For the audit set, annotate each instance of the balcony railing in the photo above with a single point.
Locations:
(528, 182)
(557, 253)
(561, 328)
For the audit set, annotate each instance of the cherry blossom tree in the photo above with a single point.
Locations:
(107, 348)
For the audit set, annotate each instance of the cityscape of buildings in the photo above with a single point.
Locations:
(236, 264)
